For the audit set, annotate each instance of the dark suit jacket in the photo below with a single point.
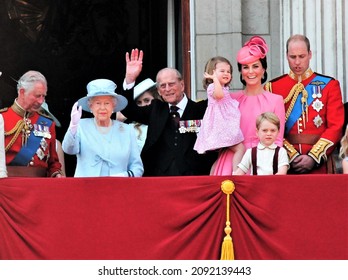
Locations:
(156, 155)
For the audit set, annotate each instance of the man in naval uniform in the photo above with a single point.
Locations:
(30, 137)
(314, 111)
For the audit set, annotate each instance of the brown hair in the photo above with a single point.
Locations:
(264, 66)
(210, 67)
(298, 37)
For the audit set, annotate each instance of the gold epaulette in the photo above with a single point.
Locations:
(319, 149)
(268, 86)
(3, 109)
(15, 131)
(291, 151)
(292, 96)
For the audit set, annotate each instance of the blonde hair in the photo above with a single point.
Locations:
(344, 144)
(268, 116)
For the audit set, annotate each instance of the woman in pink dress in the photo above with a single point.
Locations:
(253, 100)
(220, 126)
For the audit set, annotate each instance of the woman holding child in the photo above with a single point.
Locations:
(253, 100)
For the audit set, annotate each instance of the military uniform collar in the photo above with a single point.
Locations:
(20, 111)
(304, 76)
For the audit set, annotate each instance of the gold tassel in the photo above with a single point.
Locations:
(227, 252)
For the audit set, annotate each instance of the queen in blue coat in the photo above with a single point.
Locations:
(103, 146)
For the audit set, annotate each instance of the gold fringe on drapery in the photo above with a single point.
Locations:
(227, 252)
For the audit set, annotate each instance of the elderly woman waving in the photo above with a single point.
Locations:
(103, 147)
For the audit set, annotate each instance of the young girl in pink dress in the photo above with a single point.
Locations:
(220, 127)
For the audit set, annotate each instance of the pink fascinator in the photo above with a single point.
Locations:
(253, 50)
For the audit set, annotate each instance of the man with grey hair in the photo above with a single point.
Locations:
(30, 135)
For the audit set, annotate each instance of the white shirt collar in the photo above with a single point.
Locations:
(260, 146)
(181, 105)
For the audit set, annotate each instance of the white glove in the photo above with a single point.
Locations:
(76, 114)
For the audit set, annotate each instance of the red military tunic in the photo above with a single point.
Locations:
(319, 127)
(46, 154)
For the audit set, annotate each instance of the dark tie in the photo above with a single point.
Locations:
(175, 115)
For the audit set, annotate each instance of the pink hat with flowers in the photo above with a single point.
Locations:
(253, 50)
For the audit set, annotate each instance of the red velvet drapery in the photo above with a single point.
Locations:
(272, 217)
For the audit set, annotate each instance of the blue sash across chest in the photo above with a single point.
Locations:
(25, 154)
(318, 80)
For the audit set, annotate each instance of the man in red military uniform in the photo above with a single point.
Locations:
(314, 111)
(30, 137)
